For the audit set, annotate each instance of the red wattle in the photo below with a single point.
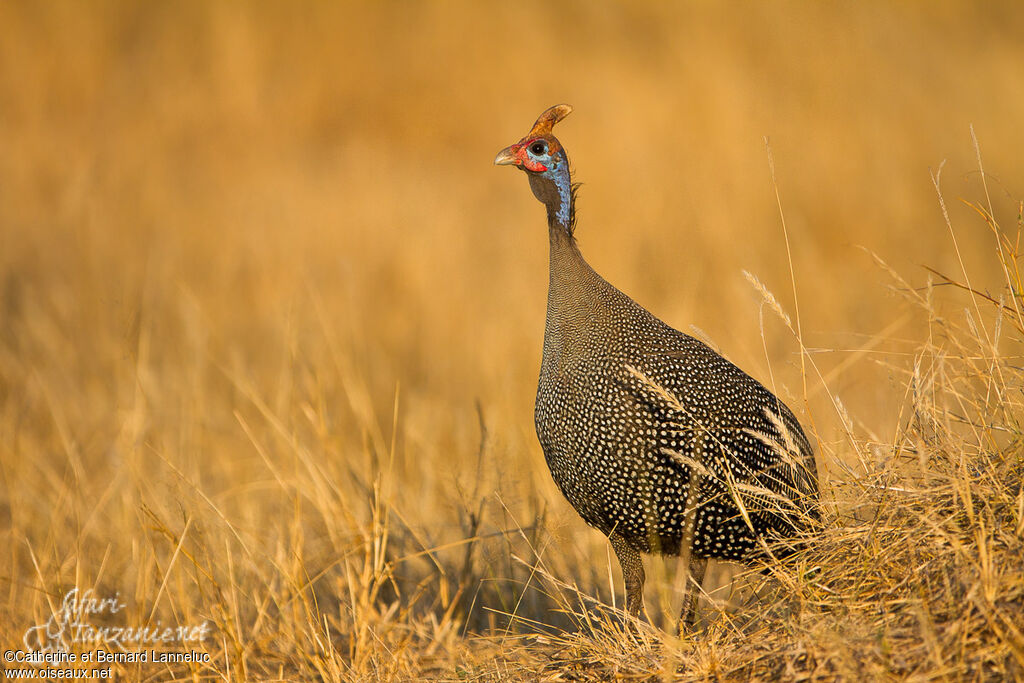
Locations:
(535, 166)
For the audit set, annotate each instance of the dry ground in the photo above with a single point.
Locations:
(270, 324)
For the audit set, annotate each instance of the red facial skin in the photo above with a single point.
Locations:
(523, 157)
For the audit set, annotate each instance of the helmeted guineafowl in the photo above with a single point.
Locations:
(655, 439)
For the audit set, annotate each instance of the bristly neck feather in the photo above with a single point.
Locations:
(554, 188)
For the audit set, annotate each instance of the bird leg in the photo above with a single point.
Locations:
(632, 573)
(695, 567)
(688, 615)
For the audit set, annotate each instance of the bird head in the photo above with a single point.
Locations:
(541, 155)
(539, 151)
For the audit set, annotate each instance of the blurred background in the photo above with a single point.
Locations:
(259, 277)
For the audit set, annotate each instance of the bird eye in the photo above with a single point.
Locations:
(538, 148)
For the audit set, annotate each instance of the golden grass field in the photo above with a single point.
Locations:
(270, 325)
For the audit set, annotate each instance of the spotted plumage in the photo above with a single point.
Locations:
(655, 439)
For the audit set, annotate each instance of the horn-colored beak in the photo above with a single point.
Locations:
(506, 157)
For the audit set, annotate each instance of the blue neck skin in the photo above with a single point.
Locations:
(553, 187)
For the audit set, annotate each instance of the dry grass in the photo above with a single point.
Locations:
(270, 324)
